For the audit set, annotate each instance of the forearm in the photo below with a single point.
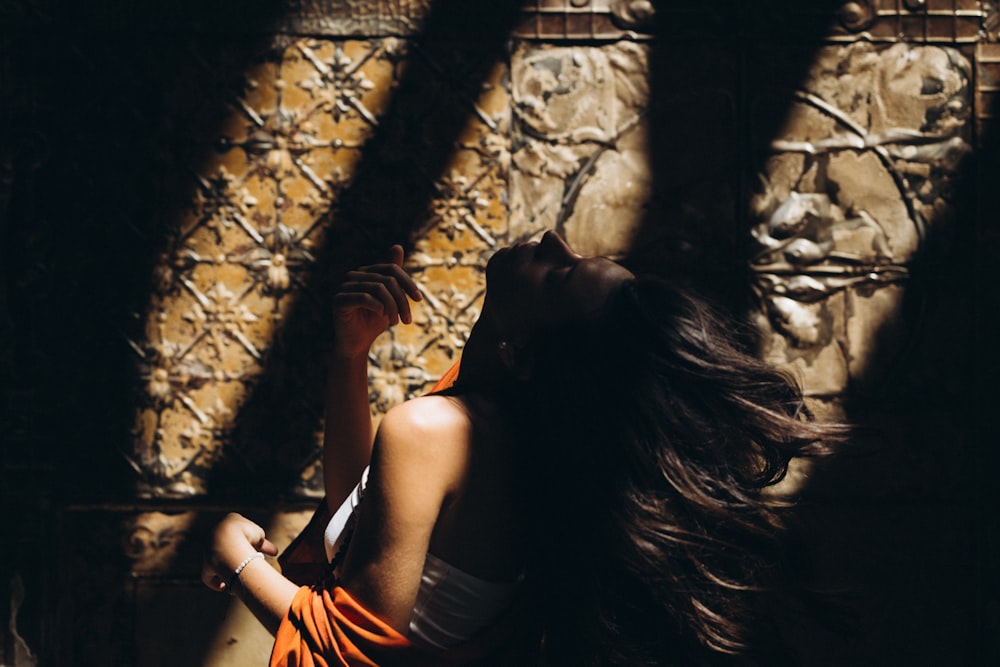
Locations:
(370, 300)
(265, 592)
(348, 432)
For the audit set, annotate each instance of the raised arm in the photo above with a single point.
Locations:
(369, 301)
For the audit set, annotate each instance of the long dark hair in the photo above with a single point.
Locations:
(651, 436)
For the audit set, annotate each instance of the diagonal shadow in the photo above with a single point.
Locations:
(701, 129)
(87, 257)
(904, 526)
(863, 530)
(86, 150)
(459, 45)
(387, 200)
(710, 254)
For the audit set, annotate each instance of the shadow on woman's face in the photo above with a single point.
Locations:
(544, 284)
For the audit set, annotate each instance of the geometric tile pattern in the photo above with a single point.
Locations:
(917, 21)
(584, 19)
(259, 207)
(942, 21)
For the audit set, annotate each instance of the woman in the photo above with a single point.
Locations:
(600, 455)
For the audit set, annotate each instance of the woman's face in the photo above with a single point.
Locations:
(545, 283)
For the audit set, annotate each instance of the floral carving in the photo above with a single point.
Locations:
(342, 79)
(259, 210)
(848, 194)
(455, 209)
(393, 375)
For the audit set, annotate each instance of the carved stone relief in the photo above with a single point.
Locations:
(854, 186)
(580, 144)
(152, 540)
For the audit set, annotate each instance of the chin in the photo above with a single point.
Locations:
(496, 262)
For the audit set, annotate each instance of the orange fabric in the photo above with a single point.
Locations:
(448, 379)
(329, 628)
(326, 628)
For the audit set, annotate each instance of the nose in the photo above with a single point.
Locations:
(556, 247)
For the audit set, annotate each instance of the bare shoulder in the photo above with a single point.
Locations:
(427, 416)
(430, 433)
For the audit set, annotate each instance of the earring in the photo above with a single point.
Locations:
(506, 352)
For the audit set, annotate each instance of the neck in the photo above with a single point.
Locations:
(481, 367)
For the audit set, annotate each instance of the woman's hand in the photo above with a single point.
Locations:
(371, 299)
(235, 539)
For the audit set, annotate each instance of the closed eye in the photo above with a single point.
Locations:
(560, 275)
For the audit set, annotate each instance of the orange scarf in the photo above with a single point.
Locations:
(327, 627)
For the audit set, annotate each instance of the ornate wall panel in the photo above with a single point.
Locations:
(586, 19)
(987, 87)
(957, 21)
(855, 186)
(466, 222)
(580, 159)
(298, 17)
(235, 260)
(241, 253)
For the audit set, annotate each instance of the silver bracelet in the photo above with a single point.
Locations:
(240, 567)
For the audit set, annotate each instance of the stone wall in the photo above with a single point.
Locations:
(182, 188)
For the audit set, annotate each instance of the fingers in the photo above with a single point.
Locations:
(375, 293)
(234, 538)
(381, 288)
(267, 548)
(379, 296)
(396, 255)
(211, 573)
(395, 272)
(253, 533)
(211, 579)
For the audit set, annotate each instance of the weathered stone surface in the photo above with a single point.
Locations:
(991, 19)
(853, 188)
(987, 87)
(340, 18)
(580, 164)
